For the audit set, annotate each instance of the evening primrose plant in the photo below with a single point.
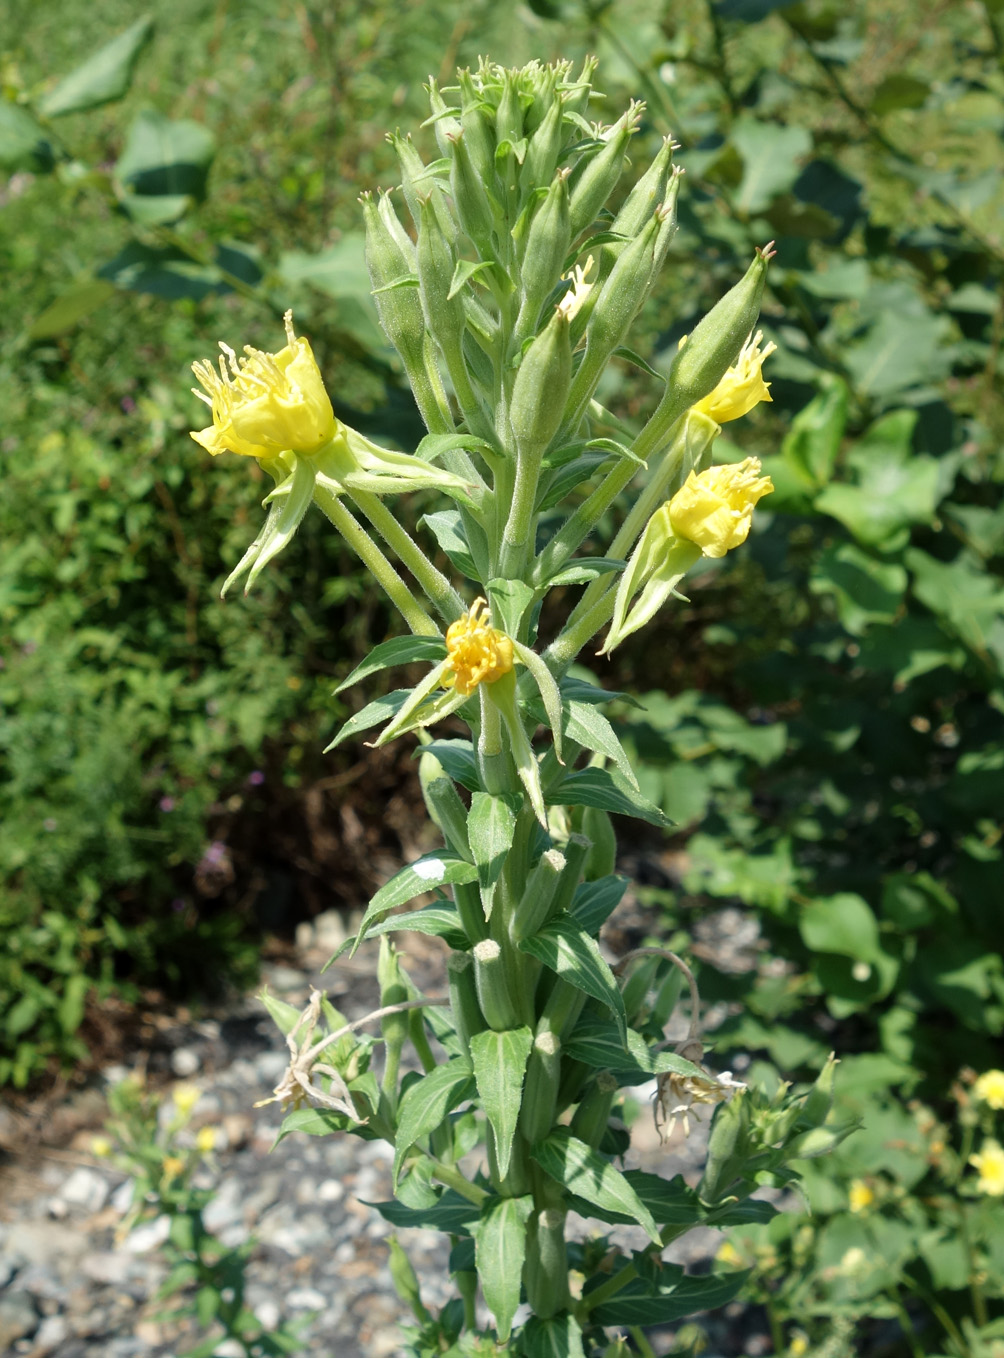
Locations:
(506, 296)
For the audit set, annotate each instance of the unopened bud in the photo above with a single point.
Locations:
(602, 858)
(599, 175)
(470, 197)
(444, 123)
(540, 389)
(534, 907)
(819, 1099)
(546, 1269)
(444, 805)
(645, 197)
(494, 996)
(478, 133)
(540, 1088)
(593, 1113)
(546, 248)
(545, 146)
(467, 1016)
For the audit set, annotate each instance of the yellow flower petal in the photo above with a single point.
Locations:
(743, 386)
(989, 1164)
(714, 508)
(990, 1089)
(477, 652)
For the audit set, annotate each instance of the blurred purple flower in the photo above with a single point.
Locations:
(256, 778)
(128, 404)
(166, 803)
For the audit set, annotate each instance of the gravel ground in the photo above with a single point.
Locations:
(72, 1286)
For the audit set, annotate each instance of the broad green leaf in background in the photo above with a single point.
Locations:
(103, 77)
(500, 1248)
(901, 350)
(590, 1175)
(641, 1303)
(23, 144)
(71, 307)
(866, 589)
(558, 1337)
(163, 166)
(607, 790)
(844, 924)
(499, 1066)
(426, 1103)
(964, 597)
(772, 156)
(574, 956)
(339, 271)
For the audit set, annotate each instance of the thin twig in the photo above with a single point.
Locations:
(695, 999)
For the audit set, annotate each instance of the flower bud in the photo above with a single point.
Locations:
(602, 858)
(593, 1113)
(742, 387)
(726, 1149)
(545, 1271)
(533, 909)
(467, 1016)
(576, 851)
(540, 390)
(562, 1009)
(444, 805)
(819, 1100)
(478, 132)
(577, 95)
(494, 996)
(509, 112)
(645, 197)
(393, 990)
(540, 1087)
(443, 122)
(547, 244)
(405, 1281)
(470, 197)
(600, 173)
(393, 271)
(544, 149)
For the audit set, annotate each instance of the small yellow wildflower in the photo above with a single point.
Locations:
(172, 1166)
(185, 1098)
(571, 302)
(990, 1088)
(742, 387)
(860, 1195)
(799, 1345)
(989, 1163)
(266, 404)
(714, 508)
(101, 1147)
(728, 1254)
(477, 652)
(205, 1139)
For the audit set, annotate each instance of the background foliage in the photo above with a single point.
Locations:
(834, 760)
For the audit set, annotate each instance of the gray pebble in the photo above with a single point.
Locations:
(51, 1333)
(85, 1188)
(18, 1318)
(185, 1061)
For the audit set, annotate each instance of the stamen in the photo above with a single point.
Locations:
(287, 321)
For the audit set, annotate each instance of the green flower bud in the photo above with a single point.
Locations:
(545, 1271)
(562, 1009)
(418, 182)
(467, 1016)
(576, 851)
(547, 244)
(593, 1113)
(491, 979)
(443, 122)
(602, 858)
(393, 990)
(600, 173)
(727, 1148)
(534, 907)
(509, 113)
(477, 127)
(577, 95)
(444, 805)
(544, 150)
(472, 203)
(540, 390)
(405, 1281)
(540, 1087)
(645, 197)
(819, 1099)
(818, 1141)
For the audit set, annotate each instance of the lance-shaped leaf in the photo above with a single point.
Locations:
(444, 867)
(509, 600)
(589, 1175)
(491, 824)
(287, 505)
(594, 902)
(558, 1337)
(104, 76)
(352, 462)
(607, 790)
(549, 693)
(458, 759)
(568, 950)
(585, 569)
(416, 711)
(641, 1303)
(442, 921)
(426, 1103)
(450, 1213)
(396, 651)
(500, 1248)
(499, 1066)
(657, 565)
(448, 529)
(371, 715)
(602, 1044)
(503, 694)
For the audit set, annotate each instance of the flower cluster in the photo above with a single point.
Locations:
(477, 652)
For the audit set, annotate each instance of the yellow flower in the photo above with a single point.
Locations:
(728, 1254)
(990, 1088)
(101, 1147)
(860, 1195)
(206, 1139)
(477, 652)
(185, 1098)
(173, 1166)
(571, 302)
(266, 404)
(799, 1345)
(742, 387)
(989, 1163)
(714, 508)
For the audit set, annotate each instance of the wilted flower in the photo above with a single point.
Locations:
(714, 508)
(297, 1085)
(990, 1088)
(571, 303)
(477, 653)
(989, 1164)
(266, 404)
(742, 387)
(676, 1096)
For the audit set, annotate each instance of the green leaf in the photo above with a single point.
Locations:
(426, 1103)
(965, 598)
(866, 590)
(441, 921)
(71, 307)
(843, 924)
(670, 1201)
(491, 824)
(588, 1175)
(599, 1043)
(396, 651)
(321, 1122)
(23, 144)
(162, 271)
(772, 155)
(569, 951)
(813, 441)
(500, 1248)
(641, 1304)
(547, 687)
(594, 902)
(899, 90)
(509, 600)
(441, 868)
(450, 1213)
(901, 350)
(895, 487)
(558, 1337)
(373, 714)
(499, 1066)
(465, 270)
(433, 446)
(163, 167)
(103, 77)
(587, 726)
(584, 569)
(447, 527)
(457, 758)
(608, 790)
(339, 271)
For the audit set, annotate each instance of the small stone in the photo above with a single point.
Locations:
(146, 1237)
(268, 1315)
(18, 1318)
(237, 1127)
(104, 1266)
(7, 1270)
(330, 1190)
(86, 1188)
(51, 1333)
(185, 1061)
(229, 1348)
(305, 935)
(270, 1066)
(57, 1209)
(329, 929)
(285, 978)
(305, 1299)
(121, 1199)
